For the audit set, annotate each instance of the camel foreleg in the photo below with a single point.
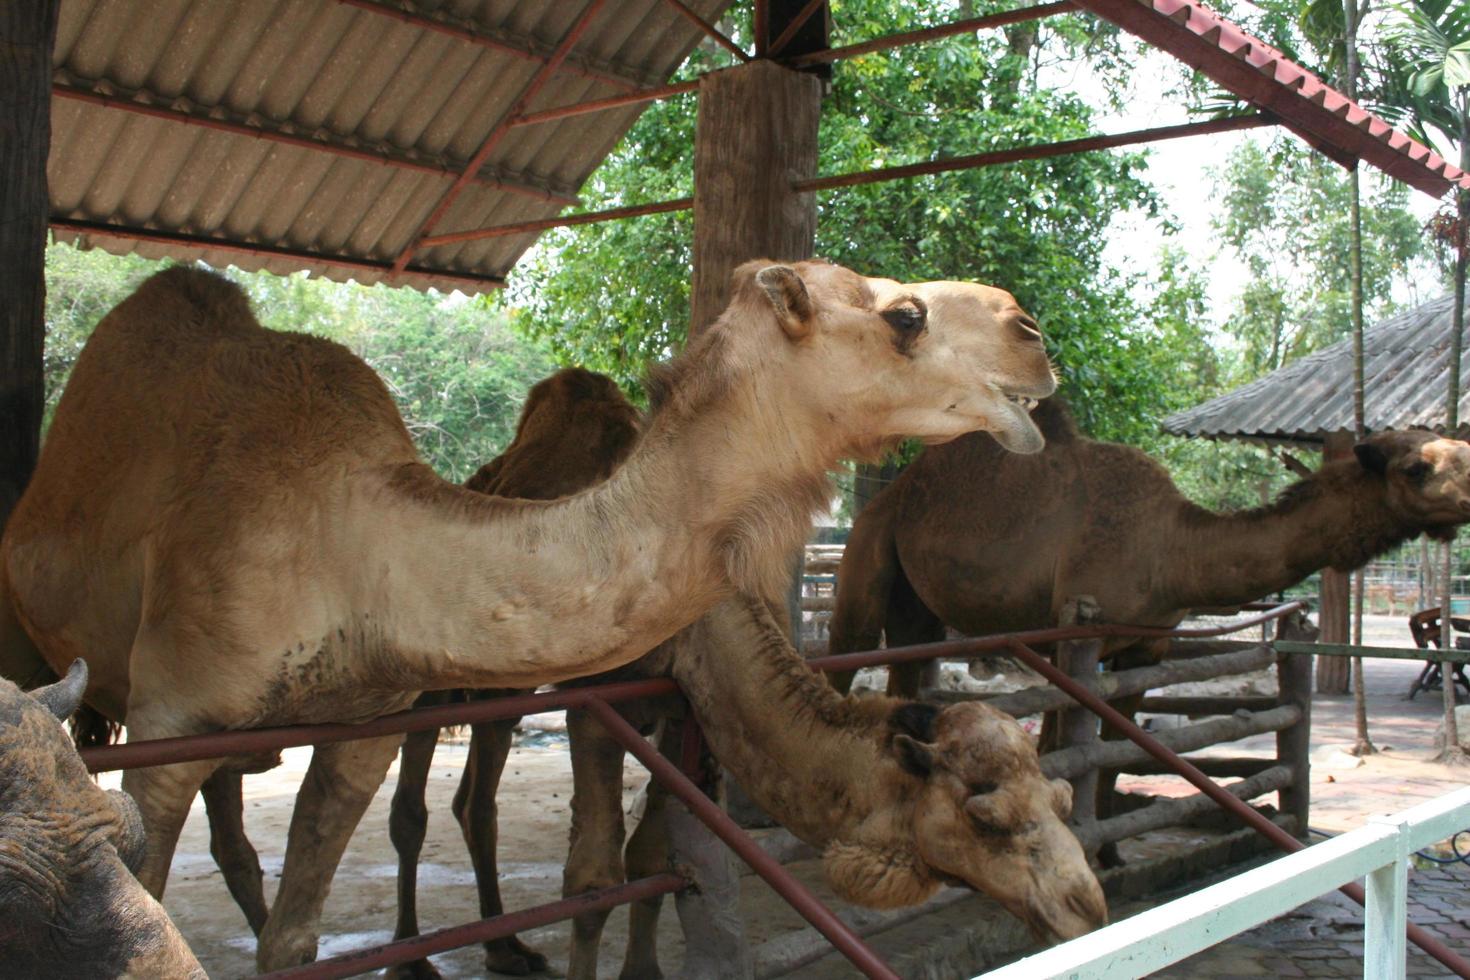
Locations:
(476, 811)
(647, 854)
(595, 859)
(164, 795)
(339, 785)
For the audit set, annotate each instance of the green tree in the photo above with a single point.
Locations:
(614, 296)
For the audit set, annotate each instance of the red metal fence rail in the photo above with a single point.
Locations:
(599, 701)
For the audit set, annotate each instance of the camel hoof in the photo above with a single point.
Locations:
(279, 950)
(417, 970)
(514, 958)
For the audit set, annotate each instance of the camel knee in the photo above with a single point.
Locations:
(408, 822)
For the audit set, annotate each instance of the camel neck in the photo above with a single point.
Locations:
(1336, 518)
(489, 592)
(811, 757)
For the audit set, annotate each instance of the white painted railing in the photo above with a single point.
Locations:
(1169, 933)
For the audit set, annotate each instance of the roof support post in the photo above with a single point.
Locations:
(756, 136)
(27, 34)
(1332, 616)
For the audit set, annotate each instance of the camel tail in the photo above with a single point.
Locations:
(90, 729)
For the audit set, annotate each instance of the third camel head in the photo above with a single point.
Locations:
(875, 360)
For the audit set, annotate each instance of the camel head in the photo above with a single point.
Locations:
(68, 900)
(987, 817)
(1427, 478)
(886, 360)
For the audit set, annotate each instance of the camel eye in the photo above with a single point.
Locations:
(1417, 470)
(906, 319)
(983, 789)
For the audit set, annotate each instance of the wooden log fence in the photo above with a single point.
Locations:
(1174, 812)
(1073, 761)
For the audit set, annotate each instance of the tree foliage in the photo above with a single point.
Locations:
(614, 296)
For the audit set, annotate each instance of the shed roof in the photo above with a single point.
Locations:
(320, 134)
(1404, 367)
(332, 135)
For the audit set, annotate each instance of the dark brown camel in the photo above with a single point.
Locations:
(985, 541)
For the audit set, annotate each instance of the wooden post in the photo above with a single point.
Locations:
(1078, 727)
(27, 34)
(757, 133)
(1294, 744)
(1333, 614)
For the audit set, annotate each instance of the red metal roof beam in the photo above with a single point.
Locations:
(565, 221)
(599, 105)
(1038, 151)
(799, 21)
(1038, 12)
(440, 25)
(205, 243)
(533, 87)
(709, 29)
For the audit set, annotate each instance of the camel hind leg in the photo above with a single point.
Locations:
(911, 622)
(865, 581)
(232, 851)
(476, 811)
(408, 821)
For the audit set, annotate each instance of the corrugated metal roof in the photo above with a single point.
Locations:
(1263, 76)
(366, 112)
(1405, 361)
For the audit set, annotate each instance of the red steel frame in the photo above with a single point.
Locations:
(599, 701)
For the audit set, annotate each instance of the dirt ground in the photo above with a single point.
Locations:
(534, 825)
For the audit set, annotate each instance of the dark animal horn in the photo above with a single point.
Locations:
(63, 697)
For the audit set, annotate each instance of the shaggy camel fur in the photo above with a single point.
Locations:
(576, 434)
(1101, 519)
(69, 904)
(267, 547)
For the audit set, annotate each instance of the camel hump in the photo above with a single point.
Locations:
(191, 298)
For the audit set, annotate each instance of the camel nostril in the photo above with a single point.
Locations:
(1029, 327)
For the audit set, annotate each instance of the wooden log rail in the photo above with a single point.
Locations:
(1071, 762)
(1112, 686)
(1173, 812)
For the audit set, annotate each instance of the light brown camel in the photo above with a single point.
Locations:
(574, 430)
(69, 904)
(985, 541)
(266, 547)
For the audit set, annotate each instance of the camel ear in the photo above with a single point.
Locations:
(916, 757)
(789, 299)
(1372, 457)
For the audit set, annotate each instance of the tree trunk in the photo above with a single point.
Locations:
(27, 33)
(1333, 615)
(1452, 754)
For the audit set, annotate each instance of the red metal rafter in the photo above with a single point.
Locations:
(566, 221)
(933, 33)
(709, 813)
(381, 157)
(1262, 75)
(369, 958)
(534, 86)
(1037, 152)
(598, 105)
(464, 32)
(446, 277)
(784, 38)
(709, 29)
(1226, 800)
